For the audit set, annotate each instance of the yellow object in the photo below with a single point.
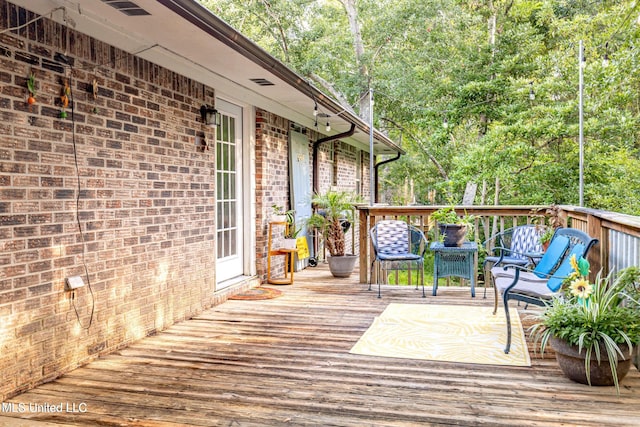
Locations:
(66, 92)
(303, 247)
(446, 333)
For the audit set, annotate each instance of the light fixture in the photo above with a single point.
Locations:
(315, 109)
(532, 94)
(328, 128)
(210, 116)
(605, 58)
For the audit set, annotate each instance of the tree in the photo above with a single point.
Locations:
(474, 65)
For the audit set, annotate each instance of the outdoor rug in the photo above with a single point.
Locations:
(447, 333)
(256, 294)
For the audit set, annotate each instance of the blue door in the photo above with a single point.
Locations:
(300, 176)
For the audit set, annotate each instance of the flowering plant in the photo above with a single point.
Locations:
(577, 281)
(596, 317)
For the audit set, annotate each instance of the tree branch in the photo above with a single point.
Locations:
(436, 163)
(333, 91)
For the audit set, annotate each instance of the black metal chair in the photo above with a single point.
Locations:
(538, 286)
(514, 245)
(397, 242)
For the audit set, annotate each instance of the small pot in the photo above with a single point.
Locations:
(289, 244)
(278, 218)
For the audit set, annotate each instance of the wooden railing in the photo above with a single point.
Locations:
(618, 234)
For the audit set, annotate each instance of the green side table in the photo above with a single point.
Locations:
(455, 261)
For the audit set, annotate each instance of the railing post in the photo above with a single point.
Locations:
(364, 245)
(595, 229)
(600, 251)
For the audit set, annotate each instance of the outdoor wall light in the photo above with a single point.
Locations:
(605, 59)
(210, 116)
(328, 127)
(532, 94)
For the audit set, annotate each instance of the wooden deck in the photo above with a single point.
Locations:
(285, 361)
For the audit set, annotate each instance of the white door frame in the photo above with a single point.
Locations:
(246, 196)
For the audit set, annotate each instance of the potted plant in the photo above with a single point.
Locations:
(593, 327)
(291, 231)
(548, 224)
(545, 237)
(278, 214)
(331, 220)
(453, 227)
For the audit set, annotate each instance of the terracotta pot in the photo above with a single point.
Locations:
(342, 266)
(572, 364)
(454, 234)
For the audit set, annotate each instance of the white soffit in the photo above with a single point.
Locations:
(169, 40)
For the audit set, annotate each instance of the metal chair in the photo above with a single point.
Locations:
(397, 242)
(538, 286)
(512, 246)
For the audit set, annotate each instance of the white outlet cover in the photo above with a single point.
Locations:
(74, 282)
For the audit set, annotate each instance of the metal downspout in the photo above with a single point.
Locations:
(316, 145)
(384, 162)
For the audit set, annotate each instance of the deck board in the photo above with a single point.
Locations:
(285, 362)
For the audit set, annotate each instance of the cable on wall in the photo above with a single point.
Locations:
(79, 223)
(46, 15)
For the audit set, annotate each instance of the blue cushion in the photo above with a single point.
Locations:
(508, 260)
(565, 268)
(399, 257)
(556, 249)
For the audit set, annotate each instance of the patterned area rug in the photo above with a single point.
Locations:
(258, 293)
(445, 333)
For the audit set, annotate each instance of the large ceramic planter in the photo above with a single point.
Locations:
(342, 266)
(572, 364)
(454, 234)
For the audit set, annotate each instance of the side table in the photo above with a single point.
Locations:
(288, 254)
(455, 261)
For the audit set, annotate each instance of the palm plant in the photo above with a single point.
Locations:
(334, 211)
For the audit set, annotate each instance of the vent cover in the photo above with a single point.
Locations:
(126, 7)
(262, 82)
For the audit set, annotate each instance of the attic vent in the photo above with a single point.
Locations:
(127, 7)
(262, 82)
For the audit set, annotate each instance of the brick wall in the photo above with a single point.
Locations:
(272, 187)
(144, 200)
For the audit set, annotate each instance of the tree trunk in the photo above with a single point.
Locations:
(358, 45)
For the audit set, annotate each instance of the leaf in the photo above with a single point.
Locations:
(31, 84)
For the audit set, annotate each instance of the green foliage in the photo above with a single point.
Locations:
(431, 61)
(600, 321)
(334, 207)
(448, 215)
